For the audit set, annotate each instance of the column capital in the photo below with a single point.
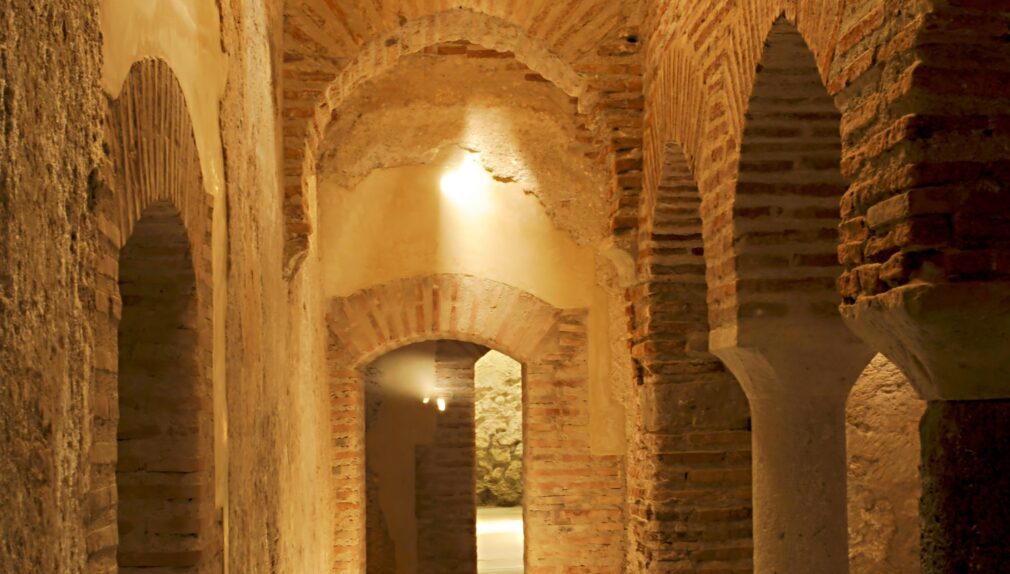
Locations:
(951, 339)
(792, 358)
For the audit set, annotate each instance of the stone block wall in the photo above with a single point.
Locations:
(882, 417)
(499, 415)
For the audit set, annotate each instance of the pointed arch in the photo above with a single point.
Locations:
(693, 417)
(782, 261)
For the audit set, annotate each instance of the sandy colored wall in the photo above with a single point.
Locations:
(277, 438)
(187, 35)
(499, 415)
(533, 213)
(882, 417)
(268, 339)
(50, 128)
(397, 223)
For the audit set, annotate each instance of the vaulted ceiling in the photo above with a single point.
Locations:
(588, 48)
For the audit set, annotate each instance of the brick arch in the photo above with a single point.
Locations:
(693, 418)
(783, 258)
(703, 66)
(372, 322)
(573, 498)
(376, 57)
(155, 217)
(328, 50)
(713, 69)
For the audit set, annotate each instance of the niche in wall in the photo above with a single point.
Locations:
(163, 473)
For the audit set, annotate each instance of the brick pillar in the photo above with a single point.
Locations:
(775, 309)
(927, 258)
(689, 461)
(446, 498)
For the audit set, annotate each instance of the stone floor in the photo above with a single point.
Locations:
(500, 540)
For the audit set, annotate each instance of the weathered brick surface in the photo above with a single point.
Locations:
(929, 168)
(920, 132)
(160, 474)
(907, 130)
(573, 500)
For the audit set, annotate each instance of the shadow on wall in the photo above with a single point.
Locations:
(396, 422)
(882, 420)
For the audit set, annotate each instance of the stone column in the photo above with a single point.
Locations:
(953, 342)
(797, 378)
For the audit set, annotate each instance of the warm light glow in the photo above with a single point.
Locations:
(426, 400)
(441, 404)
(467, 185)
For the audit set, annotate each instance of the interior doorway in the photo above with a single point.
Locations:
(444, 461)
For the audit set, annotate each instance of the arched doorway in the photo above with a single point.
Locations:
(572, 497)
(426, 404)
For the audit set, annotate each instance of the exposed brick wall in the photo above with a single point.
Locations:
(154, 171)
(329, 52)
(922, 152)
(165, 495)
(927, 144)
(770, 228)
(573, 500)
(689, 462)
